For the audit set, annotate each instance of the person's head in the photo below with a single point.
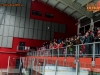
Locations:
(99, 34)
(87, 34)
(72, 39)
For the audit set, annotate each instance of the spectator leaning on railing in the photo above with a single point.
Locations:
(89, 37)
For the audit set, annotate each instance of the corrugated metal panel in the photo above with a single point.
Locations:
(52, 2)
(61, 6)
(69, 10)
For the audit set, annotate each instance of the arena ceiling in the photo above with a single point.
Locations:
(74, 8)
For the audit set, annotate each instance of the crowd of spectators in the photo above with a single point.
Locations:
(89, 37)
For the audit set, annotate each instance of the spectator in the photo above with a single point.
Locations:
(97, 45)
(87, 40)
(95, 30)
(59, 41)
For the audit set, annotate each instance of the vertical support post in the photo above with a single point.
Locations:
(8, 65)
(52, 53)
(58, 51)
(32, 65)
(56, 67)
(77, 61)
(44, 66)
(78, 28)
(20, 64)
(92, 24)
(66, 52)
(37, 66)
(93, 62)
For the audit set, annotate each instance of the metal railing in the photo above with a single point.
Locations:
(88, 49)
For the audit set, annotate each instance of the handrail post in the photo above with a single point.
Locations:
(56, 65)
(44, 66)
(66, 52)
(77, 61)
(58, 51)
(93, 62)
(8, 65)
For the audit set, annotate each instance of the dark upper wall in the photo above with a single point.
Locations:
(59, 17)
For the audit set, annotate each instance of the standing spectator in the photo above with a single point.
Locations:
(61, 48)
(59, 41)
(87, 40)
(97, 45)
(51, 48)
(95, 30)
(73, 42)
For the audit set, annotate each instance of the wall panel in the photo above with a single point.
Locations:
(63, 28)
(12, 20)
(56, 27)
(28, 13)
(29, 4)
(6, 30)
(4, 1)
(18, 13)
(30, 33)
(52, 35)
(8, 10)
(26, 34)
(60, 28)
(44, 25)
(1, 29)
(22, 22)
(27, 22)
(9, 1)
(17, 21)
(13, 10)
(21, 32)
(31, 23)
(40, 25)
(47, 35)
(16, 31)
(7, 19)
(19, 1)
(44, 35)
(39, 34)
(23, 11)
(36, 24)
(2, 9)
(48, 26)
(24, 2)
(14, 1)
(9, 42)
(11, 31)
(4, 42)
(35, 36)
(0, 41)
(52, 27)
(2, 18)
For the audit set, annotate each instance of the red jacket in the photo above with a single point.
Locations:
(55, 46)
(61, 45)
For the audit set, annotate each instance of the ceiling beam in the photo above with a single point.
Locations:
(72, 12)
(56, 4)
(64, 9)
(46, 1)
(76, 6)
(87, 1)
